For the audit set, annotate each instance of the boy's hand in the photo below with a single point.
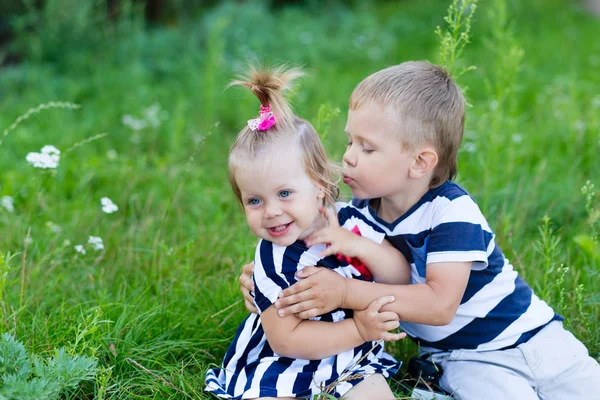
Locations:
(374, 324)
(337, 239)
(247, 286)
(321, 290)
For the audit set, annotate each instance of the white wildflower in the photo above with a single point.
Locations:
(8, 203)
(47, 158)
(52, 227)
(66, 243)
(112, 154)
(28, 240)
(133, 123)
(108, 206)
(79, 248)
(49, 149)
(152, 115)
(96, 242)
(517, 138)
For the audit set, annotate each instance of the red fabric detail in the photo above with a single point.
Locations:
(354, 261)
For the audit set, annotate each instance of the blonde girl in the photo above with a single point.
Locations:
(281, 176)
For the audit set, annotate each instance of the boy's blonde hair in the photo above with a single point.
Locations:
(427, 105)
(251, 146)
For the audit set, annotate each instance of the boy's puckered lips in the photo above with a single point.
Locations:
(346, 179)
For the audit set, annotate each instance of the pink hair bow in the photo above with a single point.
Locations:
(265, 120)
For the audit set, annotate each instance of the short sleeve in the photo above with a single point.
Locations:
(460, 233)
(352, 219)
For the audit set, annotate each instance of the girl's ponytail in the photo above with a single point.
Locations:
(269, 85)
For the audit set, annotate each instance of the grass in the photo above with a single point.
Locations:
(159, 305)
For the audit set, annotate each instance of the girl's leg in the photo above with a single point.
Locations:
(374, 387)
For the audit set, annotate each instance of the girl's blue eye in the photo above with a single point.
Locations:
(284, 193)
(254, 201)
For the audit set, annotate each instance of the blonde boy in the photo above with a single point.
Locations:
(466, 305)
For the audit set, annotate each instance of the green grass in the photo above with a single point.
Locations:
(160, 304)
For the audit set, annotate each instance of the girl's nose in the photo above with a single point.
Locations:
(272, 210)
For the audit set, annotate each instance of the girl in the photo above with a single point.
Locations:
(281, 176)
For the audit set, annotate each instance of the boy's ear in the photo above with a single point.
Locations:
(426, 159)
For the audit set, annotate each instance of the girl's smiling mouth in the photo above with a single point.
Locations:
(280, 230)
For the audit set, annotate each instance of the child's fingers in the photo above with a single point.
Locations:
(320, 236)
(332, 218)
(388, 316)
(390, 325)
(380, 302)
(330, 215)
(329, 251)
(392, 337)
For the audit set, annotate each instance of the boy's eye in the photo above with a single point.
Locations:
(349, 144)
(284, 193)
(367, 150)
(254, 201)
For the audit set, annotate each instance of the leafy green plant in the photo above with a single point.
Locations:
(25, 377)
(456, 35)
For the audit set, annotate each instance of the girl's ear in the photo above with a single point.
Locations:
(426, 159)
(321, 194)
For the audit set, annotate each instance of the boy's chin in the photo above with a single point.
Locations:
(360, 195)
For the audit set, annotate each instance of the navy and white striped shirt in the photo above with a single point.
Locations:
(252, 369)
(498, 308)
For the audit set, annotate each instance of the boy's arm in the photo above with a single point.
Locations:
(314, 340)
(385, 262)
(432, 303)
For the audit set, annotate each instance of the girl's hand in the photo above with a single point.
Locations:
(247, 286)
(374, 324)
(337, 239)
(321, 290)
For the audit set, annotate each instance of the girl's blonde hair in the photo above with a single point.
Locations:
(269, 85)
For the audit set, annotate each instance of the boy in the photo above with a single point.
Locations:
(466, 306)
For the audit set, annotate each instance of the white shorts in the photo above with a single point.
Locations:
(552, 365)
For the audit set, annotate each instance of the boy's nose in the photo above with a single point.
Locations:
(349, 158)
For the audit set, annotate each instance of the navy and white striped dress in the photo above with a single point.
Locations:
(498, 309)
(252, 369)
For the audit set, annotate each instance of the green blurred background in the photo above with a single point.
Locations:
(160, 303)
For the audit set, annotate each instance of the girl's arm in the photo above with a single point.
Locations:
(298, 338)
(384, 261)
(314, 340)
